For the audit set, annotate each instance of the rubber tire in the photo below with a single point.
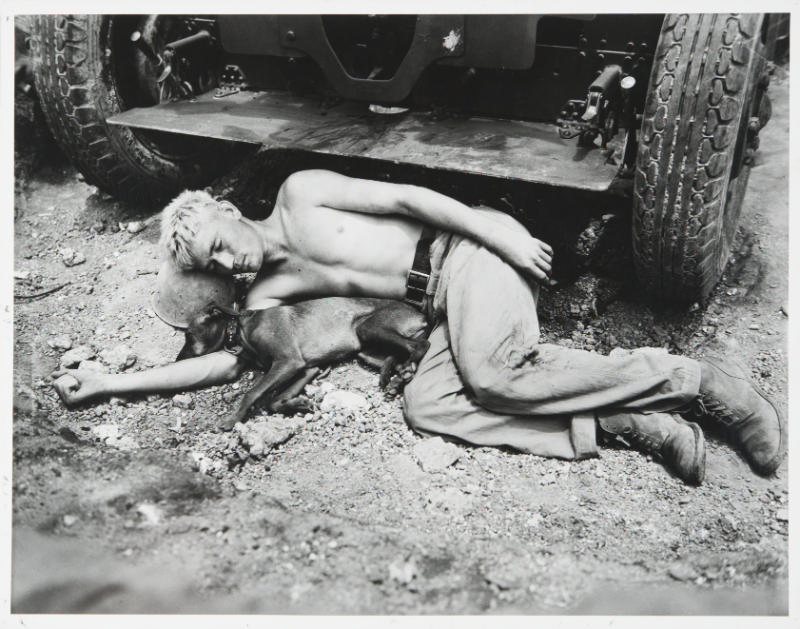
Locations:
(686, 203)
(75, 82)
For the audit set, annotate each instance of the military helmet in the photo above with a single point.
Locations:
(183, 294)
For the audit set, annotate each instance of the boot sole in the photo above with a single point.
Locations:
(699, 453)
(769, 468)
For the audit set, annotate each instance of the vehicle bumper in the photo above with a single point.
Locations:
(509, 149)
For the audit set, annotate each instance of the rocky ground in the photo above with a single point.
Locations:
(345, 510)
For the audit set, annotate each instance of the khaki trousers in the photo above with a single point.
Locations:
(487, 380)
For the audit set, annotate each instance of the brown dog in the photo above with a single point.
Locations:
(291, 342)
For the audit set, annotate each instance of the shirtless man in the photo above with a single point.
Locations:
(486, 378)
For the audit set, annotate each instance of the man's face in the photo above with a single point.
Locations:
(226, 244)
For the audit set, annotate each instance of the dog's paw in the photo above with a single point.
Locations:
(228, 423)
(292, 406)
(402, 374)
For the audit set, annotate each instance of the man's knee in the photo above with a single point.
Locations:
(487, 376)
(483, 387)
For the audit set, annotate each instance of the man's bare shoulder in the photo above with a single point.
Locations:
(311, 185)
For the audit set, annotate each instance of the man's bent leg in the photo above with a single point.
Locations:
(436, 403)
(494, 334)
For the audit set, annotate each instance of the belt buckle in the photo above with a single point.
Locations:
(416, 284)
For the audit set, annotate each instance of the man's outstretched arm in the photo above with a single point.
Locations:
(75, 387)
(532, 257)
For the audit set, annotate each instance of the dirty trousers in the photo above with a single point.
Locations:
(487, 380)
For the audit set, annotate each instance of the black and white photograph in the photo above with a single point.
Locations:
(400, 314)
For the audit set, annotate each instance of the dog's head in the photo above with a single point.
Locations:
(206, 332)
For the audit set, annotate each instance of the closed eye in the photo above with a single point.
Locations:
(212, 264)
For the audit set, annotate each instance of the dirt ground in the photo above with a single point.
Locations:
(138, 504)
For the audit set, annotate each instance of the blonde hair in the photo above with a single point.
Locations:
(180, 222)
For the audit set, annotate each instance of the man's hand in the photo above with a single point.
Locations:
(530, 256)
(74, 387)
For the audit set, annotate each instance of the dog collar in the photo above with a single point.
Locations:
(232, 342)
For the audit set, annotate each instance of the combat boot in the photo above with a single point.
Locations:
(679, 444)
(748, 419)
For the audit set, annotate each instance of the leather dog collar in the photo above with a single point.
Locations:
(233, 335)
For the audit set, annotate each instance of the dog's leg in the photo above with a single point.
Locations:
(292, 400)
(281, 373)
(379, 329)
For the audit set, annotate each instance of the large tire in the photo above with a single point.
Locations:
(84, 74)
(695, 148)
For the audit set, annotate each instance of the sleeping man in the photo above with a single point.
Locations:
(486, 378)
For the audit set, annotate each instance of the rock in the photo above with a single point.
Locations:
(70, 257)
(534, 521)
(509, 572)
(61, 342)
(183, 400)
(134, 227)
(260, 437)
(92, 365)
(325, 388)
(403, 570)
(451, 499)
(547, 479)
(205, 464)
(403, 467)
(119, 357)
(25, 400)
(436, 454)
(106, 431)
(126, 443)
(75, 356)
(110, 434)
(229, 396)
(782, 515)
(70, 435)
(344, 400)
(727, 523)
(151, 513)
(69, 520)
(682, 572)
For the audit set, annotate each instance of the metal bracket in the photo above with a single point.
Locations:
(231, 81)
(598, 114)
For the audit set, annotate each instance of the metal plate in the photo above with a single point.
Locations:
(499, 148)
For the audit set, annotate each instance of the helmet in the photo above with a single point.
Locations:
(183, 294)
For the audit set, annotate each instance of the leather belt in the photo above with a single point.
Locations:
(420, 273)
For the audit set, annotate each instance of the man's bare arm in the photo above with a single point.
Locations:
(79, 386)
(529, 255)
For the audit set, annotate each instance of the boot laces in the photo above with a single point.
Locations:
(716, 409)
(643, 440)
